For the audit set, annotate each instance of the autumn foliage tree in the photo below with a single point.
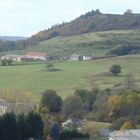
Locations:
(124, 105)
(127, 125)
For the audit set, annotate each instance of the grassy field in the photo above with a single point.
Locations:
(71, 75)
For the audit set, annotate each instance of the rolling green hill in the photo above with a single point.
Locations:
(96, 44)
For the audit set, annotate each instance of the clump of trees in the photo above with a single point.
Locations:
(52, 101)
(83, 102)
(20, 127)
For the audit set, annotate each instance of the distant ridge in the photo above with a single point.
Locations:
(12, 38)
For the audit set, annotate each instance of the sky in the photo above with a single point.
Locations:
(27, 17)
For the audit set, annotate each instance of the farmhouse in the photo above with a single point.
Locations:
(13, 57)
(30, 56)
(37, 55)
(78, 57)
(133, 134)
(74, 57)
(86, 57)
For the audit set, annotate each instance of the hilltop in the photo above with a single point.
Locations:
(93, 21)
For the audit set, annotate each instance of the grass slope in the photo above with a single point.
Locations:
(96, 44)
(73, 75)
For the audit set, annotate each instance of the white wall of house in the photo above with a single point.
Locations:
(3, 109)
(111, 139)
(86, 58)
(74, 57)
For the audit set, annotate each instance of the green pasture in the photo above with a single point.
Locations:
(34, 78)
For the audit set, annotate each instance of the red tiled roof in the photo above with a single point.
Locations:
(41, 54)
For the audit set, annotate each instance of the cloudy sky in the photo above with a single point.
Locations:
(27, 17)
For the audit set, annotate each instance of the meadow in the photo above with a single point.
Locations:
(34, 78)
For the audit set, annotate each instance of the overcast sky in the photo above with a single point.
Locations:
(27, 17)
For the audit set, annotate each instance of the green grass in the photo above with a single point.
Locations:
(98, 125)
(72, 75)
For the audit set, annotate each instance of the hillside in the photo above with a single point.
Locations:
(96, 44)
(93, 21)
